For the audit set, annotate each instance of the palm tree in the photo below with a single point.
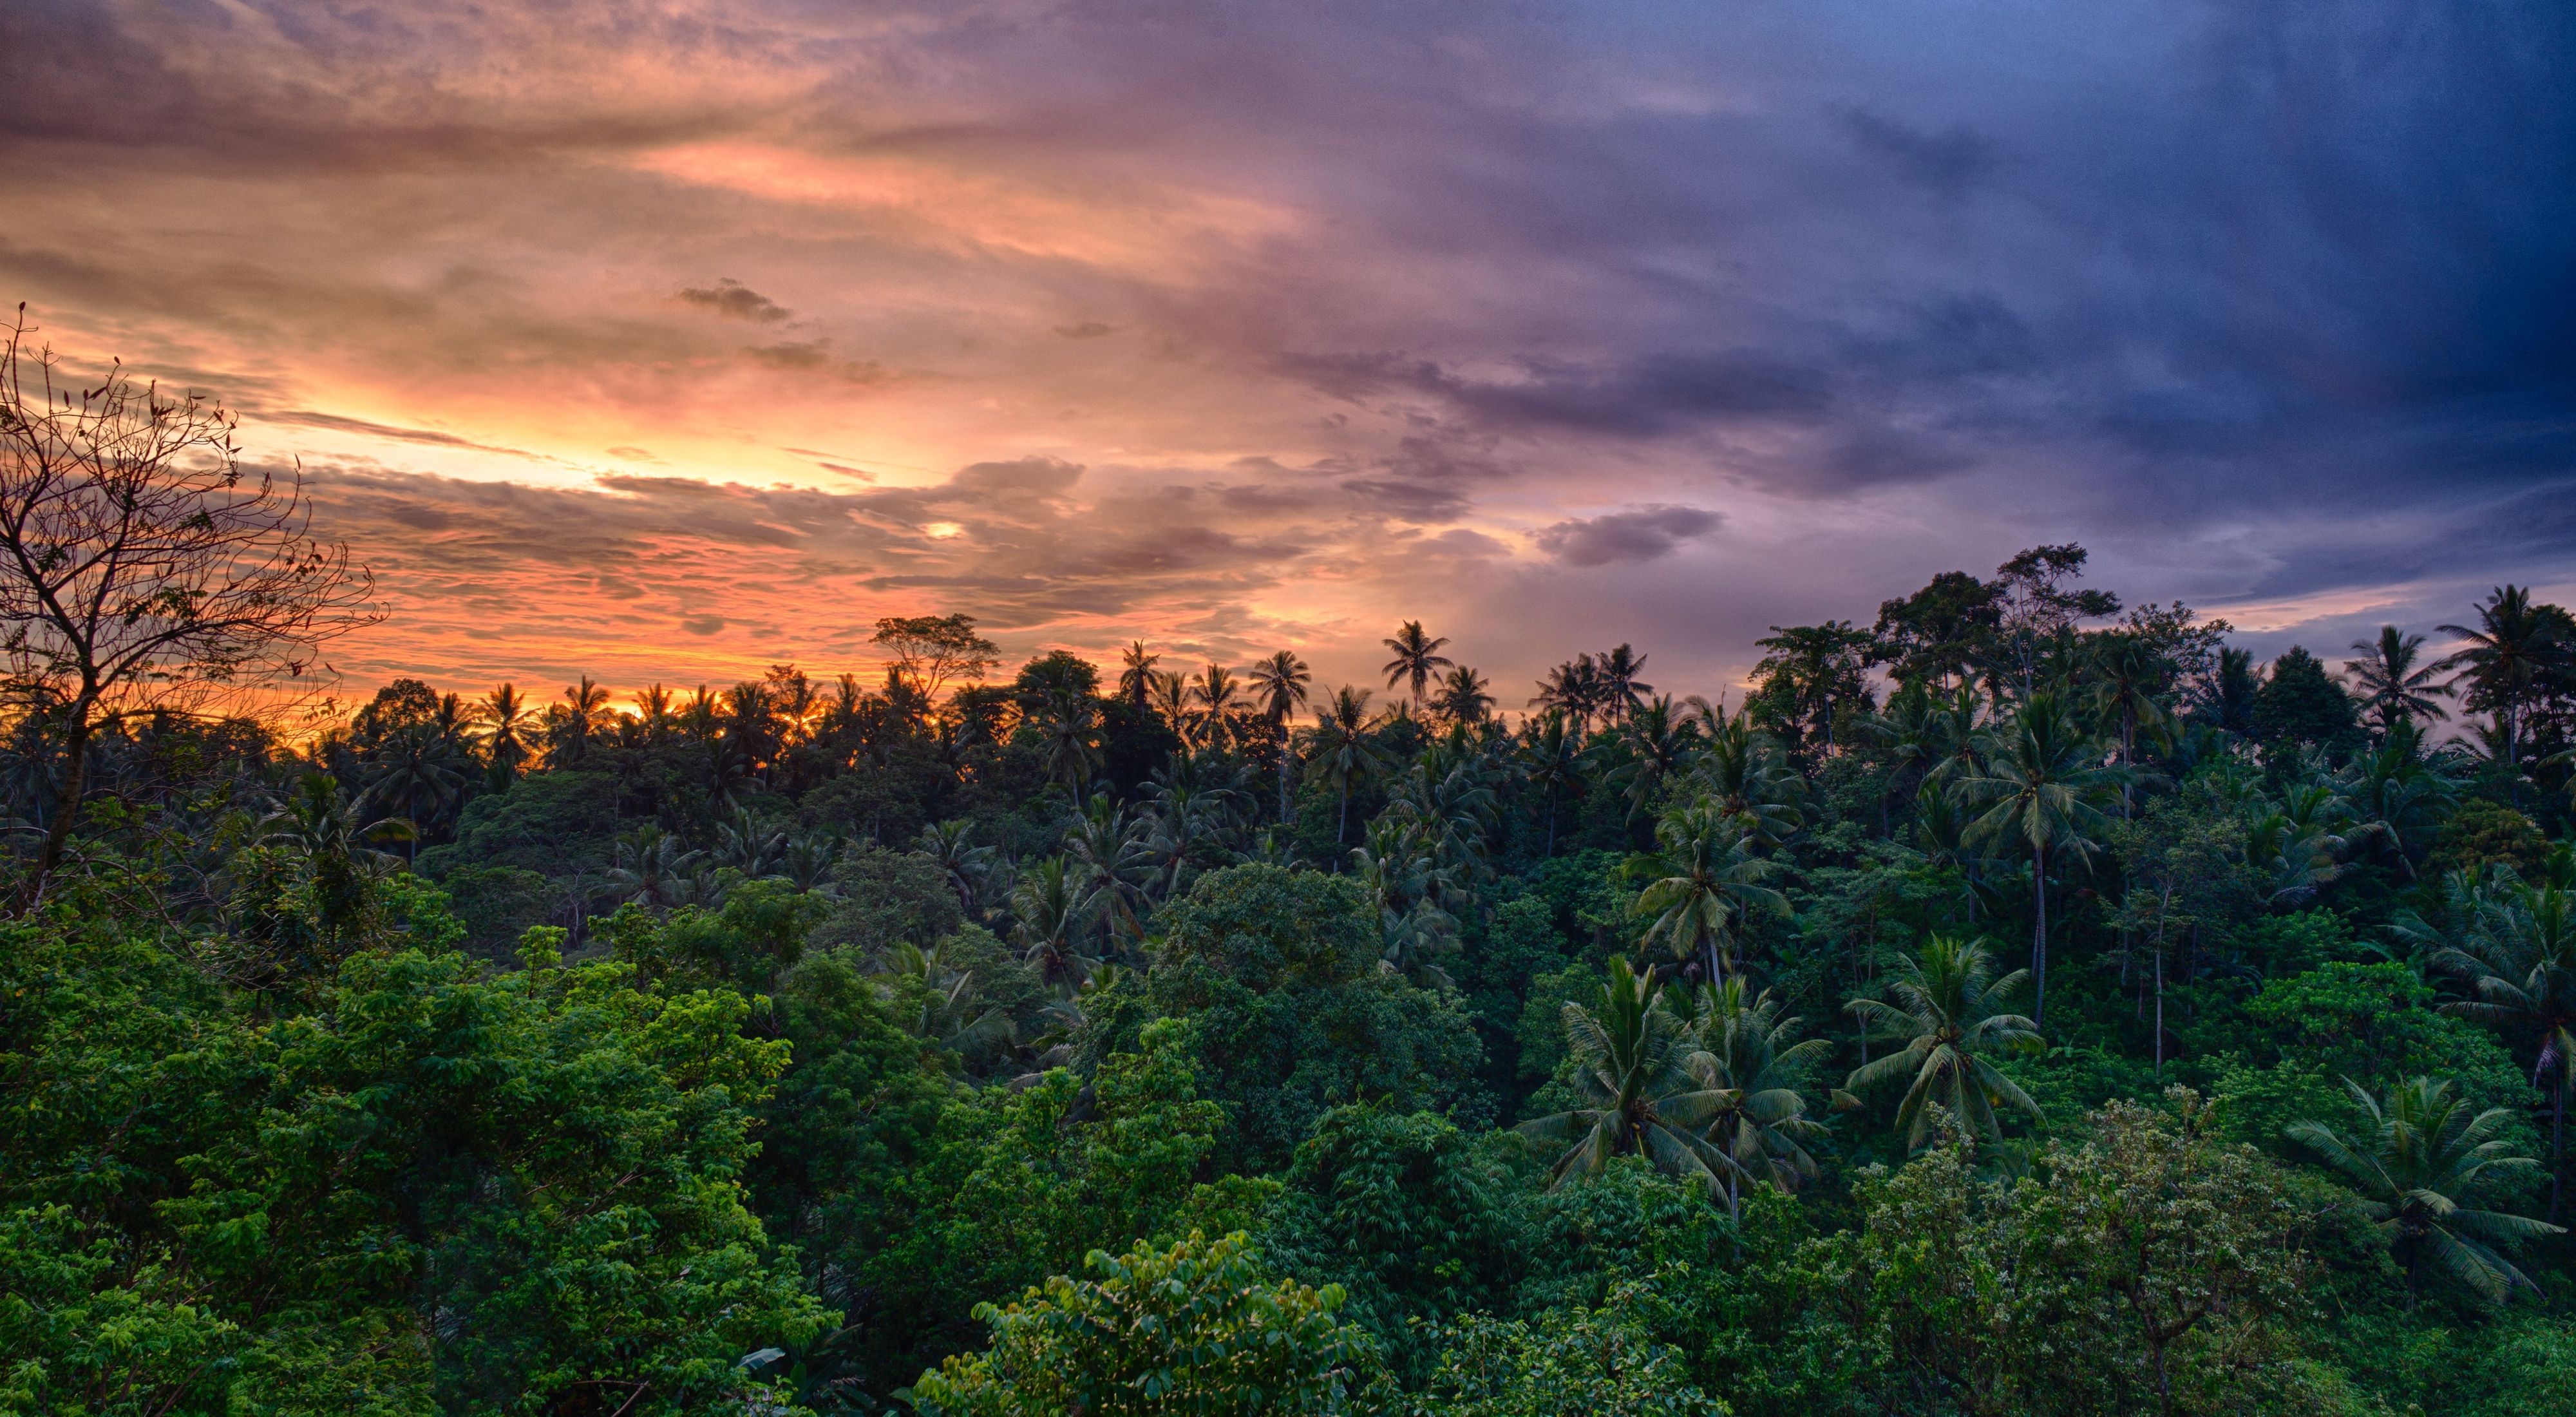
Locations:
(950, 846)
(2391, 686)
(1338, 749)
(1464, 697)
(1661, 744)
(1171, 693)
(1136, 676)
(2038, 787)
(748, 847)
(328, 834)
(1749, 1060)
(1621, 689)
(1748, 775)
(2508, 655)
(1704, 878)
(2128, 678)
(1417, 658)
(1575, 689)
(2229, 697)
(2519, 955)
(1552, 761)
(1066, 724)
(650, 865)
(1631, 1059)
(2398, 799)
(1946, 1015)
(2420, 1158)
(1052, 910)
(1279, 687)
(585, 711)
(1216, 694)
(506, 720)
(419, 771)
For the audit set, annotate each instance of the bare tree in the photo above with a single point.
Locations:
(142, 572)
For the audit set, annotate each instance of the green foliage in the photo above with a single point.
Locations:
(1596, 1361)
(1289, 1014)
(1408, 1214)
(552, 823)
(1198, 1329)
(433, 1189)
(496, 904)
(2484, 833)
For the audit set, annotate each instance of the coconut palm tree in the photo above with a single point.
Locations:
(1748, 776)
(1631, 1067)
(2509, 653)
(1621, 690)
(2518, 952)
(2398, 797)
(1067, 724)
(1417, 658)
(506, 721)
(2128, 680)
(1279, 687)
(1947, 1017)
(1171, 694)
(1464, 697)
(2419, 1160)
(2038, 787)
(950, 847)
(1661, 743)
(1551, 759)
(1217, 697)
(1052, 910)
(1575, 689)
(1751, 1059)
(1339, 749)
(650, 866)
(2393, 687)
(1136, 676)
(1703, 879)
(585, 713)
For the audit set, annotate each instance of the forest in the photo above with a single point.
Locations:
(2016, 1000)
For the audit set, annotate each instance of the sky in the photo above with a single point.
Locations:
(662, 342)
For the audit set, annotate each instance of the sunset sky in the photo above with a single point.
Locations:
(663, 342)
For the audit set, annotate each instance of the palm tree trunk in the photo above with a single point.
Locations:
(2160, 1009)
(2039, 936)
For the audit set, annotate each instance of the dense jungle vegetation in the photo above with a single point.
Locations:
(2021, 1003)
(2025, 1003)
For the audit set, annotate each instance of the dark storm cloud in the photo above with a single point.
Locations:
(2257, 299)
(1637, 534)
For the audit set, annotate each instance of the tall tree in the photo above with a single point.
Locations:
(2394, 687)
(2507, 656)
(1464, 699)
(1621, 690)
(141, 574)
(1702, 880)
(2039, 785)
(934, 651)
(1279, 687)
(1417, 658)
(1136, 675)
(1338, 750)
(1631, 1070)
(506, 721)
(1948, 1015)
(2423, 1156)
